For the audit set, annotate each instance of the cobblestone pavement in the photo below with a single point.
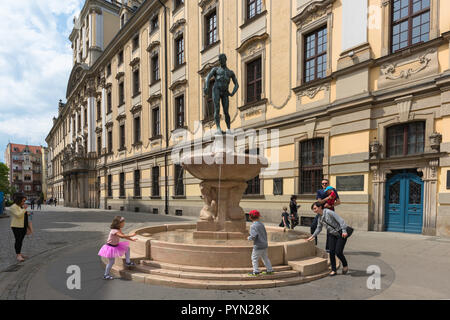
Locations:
(412, 266)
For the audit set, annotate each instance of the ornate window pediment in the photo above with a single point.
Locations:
(178, 27)
(135, 61)
(153, 45)
(207, 5)
(312, 11)
(253, 43)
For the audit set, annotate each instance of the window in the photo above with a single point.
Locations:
(122, 185)
(179, 51)
(136, 83)
(110, 194)
(311, 165)
(179, 184)
(136, 42)
(155, 181)
(254, 80)
(278, 186)
(178, 4)
(405, 139)
(410, 23)
(120, 58)
(122, 20)
(108, 70)
(254, 7)
(122, 137)
(137, 183)
(121, 94)
(79, 122)
(315, 55)
(253, 185)
(99, 110)
(179, 112)
(156, 122)
(209, 110)
(155, 68)
(110, 142)
(137, 129)
(99, 145)
(154, 24)
(85, 117)
(211, 28)
(109, 102)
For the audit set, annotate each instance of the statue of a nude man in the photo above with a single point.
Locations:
(222, 76)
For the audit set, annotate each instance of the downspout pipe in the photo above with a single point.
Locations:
(166, 102)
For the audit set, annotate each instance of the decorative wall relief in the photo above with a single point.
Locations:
(411, 68)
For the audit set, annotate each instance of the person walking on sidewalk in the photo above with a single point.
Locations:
(258, 235)
(336, 240)
(19, 223)
(284, 219)
(293, 206)
(114, 248)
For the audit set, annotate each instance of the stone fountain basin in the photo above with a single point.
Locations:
(215, 253)
(224, 166)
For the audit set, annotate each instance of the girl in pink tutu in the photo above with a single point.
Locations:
(114, 248)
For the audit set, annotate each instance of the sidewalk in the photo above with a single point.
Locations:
(412, 266)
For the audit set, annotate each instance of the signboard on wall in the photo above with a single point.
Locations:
(350, 183)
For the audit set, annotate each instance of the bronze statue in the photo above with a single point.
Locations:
(222, 76)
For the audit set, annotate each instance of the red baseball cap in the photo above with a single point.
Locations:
(254, 214)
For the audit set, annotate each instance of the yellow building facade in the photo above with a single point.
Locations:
(356, 91)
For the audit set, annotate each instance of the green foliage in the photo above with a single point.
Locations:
(4, 182)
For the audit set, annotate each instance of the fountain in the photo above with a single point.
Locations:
(214, 253)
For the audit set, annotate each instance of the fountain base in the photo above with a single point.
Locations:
(221, 230)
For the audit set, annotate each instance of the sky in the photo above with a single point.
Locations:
(35, 65)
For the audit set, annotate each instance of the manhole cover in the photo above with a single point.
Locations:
(13, 268)
(56, 243)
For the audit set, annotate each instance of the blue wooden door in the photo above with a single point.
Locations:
(404, 203)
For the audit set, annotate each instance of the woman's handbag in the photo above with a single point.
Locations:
(349, 229)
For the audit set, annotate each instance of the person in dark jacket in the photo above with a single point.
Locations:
(285, 219)
(293, 206)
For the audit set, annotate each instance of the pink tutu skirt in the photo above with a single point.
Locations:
(113, 252)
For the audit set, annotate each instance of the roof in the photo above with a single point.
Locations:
(21, 148)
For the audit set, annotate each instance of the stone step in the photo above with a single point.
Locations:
(256, 283)
(177, 267)
(213, 276)
(309, 266)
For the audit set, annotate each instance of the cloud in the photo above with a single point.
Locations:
(35, 64)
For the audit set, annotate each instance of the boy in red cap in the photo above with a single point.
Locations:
(259, 236)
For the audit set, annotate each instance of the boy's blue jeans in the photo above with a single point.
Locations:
(261, 253)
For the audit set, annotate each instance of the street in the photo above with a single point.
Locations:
(412, 266)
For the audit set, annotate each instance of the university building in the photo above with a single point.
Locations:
(358, 91)
(25, 169)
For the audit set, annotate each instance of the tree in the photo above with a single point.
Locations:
(4, 182)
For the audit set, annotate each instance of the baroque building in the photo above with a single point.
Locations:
(354, 91)
(25, 169)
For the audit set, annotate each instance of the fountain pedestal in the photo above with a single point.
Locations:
(224, 175)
